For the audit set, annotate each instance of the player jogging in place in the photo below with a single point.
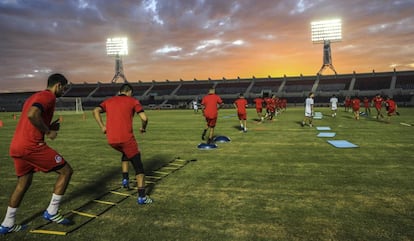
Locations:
(308, 110)
(240, 104)
(31, 154)
(120, 111)
(210, 105)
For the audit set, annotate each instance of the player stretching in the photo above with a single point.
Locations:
(31, 153)
(120, 111)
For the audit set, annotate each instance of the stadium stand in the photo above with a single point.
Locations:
(180, 94)
(328, 83)
(80, 90)
(298, 85)
(231, 87)
(271, 84)
(373, 82)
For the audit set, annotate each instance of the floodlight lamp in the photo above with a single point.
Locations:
(117, 46)
(327, 30)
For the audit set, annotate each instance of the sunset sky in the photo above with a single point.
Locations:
(187, 39)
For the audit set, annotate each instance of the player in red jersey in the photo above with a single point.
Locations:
(378, 100)
(366, 106)
(120, 111)
(268, 104)
(31, 153)
(259, 107)
(347, 103)
(240, 104)
(271, 105)
(391, 107)
(356, 103)
(210, 105)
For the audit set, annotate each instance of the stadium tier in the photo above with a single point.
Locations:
(180, 94)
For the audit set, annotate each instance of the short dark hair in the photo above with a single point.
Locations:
(125, 88)
(55, 79)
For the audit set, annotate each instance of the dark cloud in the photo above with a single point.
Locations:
(196, 38)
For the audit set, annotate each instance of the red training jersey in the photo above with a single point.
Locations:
(241, 104)
(390, 104)
(120, 112)
(27, 136)
(259, 103)
(210, 103)
(377, 102)
(356, 104)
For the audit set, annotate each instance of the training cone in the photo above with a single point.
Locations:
(221, 139)
(1, 123)
(205, 146)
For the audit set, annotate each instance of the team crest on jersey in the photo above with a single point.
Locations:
(58, 159)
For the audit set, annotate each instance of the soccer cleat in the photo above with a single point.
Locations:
(57, 218)
(13, 229)
(125, 183)
(144, 200)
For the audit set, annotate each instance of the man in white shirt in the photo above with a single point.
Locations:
(334, 105)
(308, 110)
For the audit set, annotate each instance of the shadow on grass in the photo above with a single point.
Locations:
(97, 187)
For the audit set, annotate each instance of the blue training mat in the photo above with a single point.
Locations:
(323, 128)
(342, 144)
(326, 134)
(318, 115)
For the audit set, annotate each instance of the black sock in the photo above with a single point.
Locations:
(141, 192)
(125, 175)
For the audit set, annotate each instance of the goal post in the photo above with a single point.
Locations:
(79, 108)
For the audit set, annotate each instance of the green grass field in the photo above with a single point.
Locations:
(278, 181)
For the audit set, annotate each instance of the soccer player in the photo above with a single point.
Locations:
(31, 154)
(195, 106)
(366, 105)
(356, 103)
(259, 107)
(377, 100)
(210, 105)
(240, 104)
(334, 105)
(120, 111)
(308, 110)
(347, 103)
(391, 107)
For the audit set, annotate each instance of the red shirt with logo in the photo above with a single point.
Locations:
(27, 136)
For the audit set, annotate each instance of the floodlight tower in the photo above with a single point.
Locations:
(117, 47)
(326, 32)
